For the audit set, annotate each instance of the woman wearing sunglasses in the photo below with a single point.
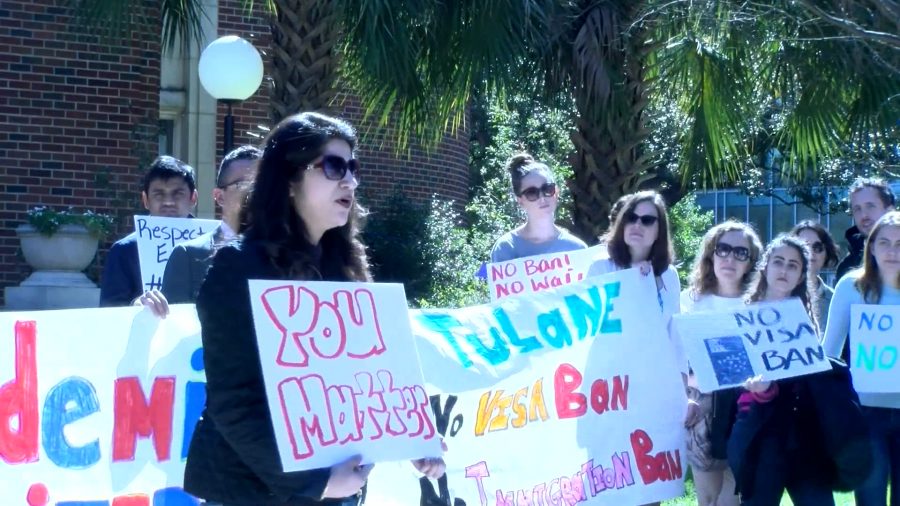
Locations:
(536, 193)
(299, 222)
(823, 255)
(722, 272)
(877, 282)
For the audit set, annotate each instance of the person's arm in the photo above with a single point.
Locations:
(177, 280)
(116, 285)
(236, 398)
(845, 294)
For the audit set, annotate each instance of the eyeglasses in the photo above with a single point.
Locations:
(532, 194)
(817, 247)
(335, 167)
(239, 183)
(740, 253)
(647, 220)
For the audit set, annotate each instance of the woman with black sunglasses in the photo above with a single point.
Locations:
(722, 273)
(535, 189)
(823, 255)
(299, 222)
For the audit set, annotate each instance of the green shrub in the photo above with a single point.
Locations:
(689, 222)
(47, 221)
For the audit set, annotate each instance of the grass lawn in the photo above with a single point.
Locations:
(689, 499)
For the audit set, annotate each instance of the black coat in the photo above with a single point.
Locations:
(856, 240)
(818, 417)
(233, 457)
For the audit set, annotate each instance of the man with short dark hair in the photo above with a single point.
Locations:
(870, 199)
(189, 261)
(168, 190)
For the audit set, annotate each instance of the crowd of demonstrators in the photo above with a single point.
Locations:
(289, 211)
(537, 195)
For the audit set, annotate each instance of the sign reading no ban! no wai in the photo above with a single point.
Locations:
(772, 339)
(540, 272)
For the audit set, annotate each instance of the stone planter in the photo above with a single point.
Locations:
(58, 260)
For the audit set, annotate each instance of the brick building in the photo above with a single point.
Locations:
(81, 118)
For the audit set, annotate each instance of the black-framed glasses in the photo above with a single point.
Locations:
(647, 220)
(533, 193)
(740, 253)
(335, 167)
(817, 247)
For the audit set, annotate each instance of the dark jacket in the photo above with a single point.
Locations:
(187, 266)
(857, 242)
(818, 420)
(233, 457)
(121, 281)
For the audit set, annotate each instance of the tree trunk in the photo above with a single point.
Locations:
(609, 133)
(305, 36)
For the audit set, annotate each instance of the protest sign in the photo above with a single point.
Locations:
(567, 396)
(772, 339)
(97, 406)
(540, 272)
(341, 372)
(158, 236)
(874, 339)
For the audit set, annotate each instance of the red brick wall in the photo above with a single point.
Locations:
(415, 172)
(78, 118)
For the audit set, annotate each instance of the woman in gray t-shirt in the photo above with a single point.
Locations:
(535, 189)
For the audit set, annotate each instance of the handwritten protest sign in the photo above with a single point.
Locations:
(341, 372)
(874, 339)
(772, 339)
(540, 272)
(158, 236)
(567, 396)
(97, 406)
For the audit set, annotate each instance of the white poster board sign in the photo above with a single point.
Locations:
(567, 396)
(540, 272)
(158, 236)
(97, 406)
(772, 339)
(341, 372)
(874, 343)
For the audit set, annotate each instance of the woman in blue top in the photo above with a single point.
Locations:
(535, 189)
(877, 282)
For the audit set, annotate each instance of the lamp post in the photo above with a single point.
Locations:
(231, 70)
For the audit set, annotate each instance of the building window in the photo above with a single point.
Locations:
(166, 136)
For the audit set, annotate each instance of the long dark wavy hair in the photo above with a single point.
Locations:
(831, 250)
(268, 216)
(805, 289)
(662, 253)
(869, 284)
(703, 276)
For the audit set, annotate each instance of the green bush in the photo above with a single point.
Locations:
(47, 221)
(689, 222)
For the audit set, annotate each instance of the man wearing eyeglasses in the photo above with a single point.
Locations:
(189, 261)
(168, 190)
(870, 199)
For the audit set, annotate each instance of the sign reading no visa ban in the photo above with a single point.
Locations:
(874, 342)
(772, 339)
(341, 372)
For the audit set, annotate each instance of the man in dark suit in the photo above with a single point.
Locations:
(169, 190)
(190, 260)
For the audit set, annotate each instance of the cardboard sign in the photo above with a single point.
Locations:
(874, 342)
(341, 372)
(540, 272)
(772, 339)
(97, 406)
(567, 396)
(158, 236)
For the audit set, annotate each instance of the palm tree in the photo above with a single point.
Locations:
(715, 66)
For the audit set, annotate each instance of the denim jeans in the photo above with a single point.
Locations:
(885, 426)
(776, 473)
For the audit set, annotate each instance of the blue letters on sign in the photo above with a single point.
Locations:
(69, 401)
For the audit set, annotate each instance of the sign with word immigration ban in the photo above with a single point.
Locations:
(565, 396)
(341, 372)
(158, 236)
(540, 272)
(773, 339)
(97, 406)
(874, 343)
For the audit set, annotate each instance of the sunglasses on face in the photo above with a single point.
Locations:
(335, 167)
(817, 247)
(646, 220)
(532, 194)
(740, 253)
(240, 184)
